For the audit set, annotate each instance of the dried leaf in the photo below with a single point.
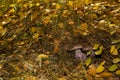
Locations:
(92, 70)
(102, 63)
(88, 61)
(98, 52)
(84, 26)
(12, 11)
(113, 50)
(70, 3)
(42, 56)
(56, 45)
(116, 60)
(46, 20)
(58, 6)
(106, 74)
(115, 41)
(96, 46)
(117, 72)
(87, 1)
(33, 29)
(100, 69)
(35, 36)
(113, 67)
(31, 78)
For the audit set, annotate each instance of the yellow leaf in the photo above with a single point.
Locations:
(12, 10)
(56, 45)
(46, 20)
(58, 6)
(35, 36)
(62, 78)
(1, 28)
(113, 67)
(87, 1)
(33, 29)
(98, 52)
(112, 48)
(88, 61)
(117, 72)
(96, 46)
(115, 52)
(34, 15)
(102, 63)
(115, 41)
(3, 32)
(106, 74)
(84, 26)
(116, 60)
(37, 4)
(100, 69)
(30, 78)
(18, 1)
(12, 5)
(92, 70)
(70, 3)
(42, 56)
(60, 25)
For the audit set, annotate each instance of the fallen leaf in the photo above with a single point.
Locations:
(88, 61)
(106, 74)
(31, 78)
(113, 67)
(117, 72)
(42, 56)
(116, 60)
(35, 36)
(113, 50)
(100, 69)
(98, 52)
(92, 70)
(56, 45)
(96, 46)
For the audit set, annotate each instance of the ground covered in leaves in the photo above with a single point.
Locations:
(37, 39)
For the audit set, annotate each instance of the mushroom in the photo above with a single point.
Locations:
(79, 52)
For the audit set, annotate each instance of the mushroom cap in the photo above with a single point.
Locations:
(76, 47)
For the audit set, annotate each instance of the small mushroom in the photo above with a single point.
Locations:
(79, 52)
